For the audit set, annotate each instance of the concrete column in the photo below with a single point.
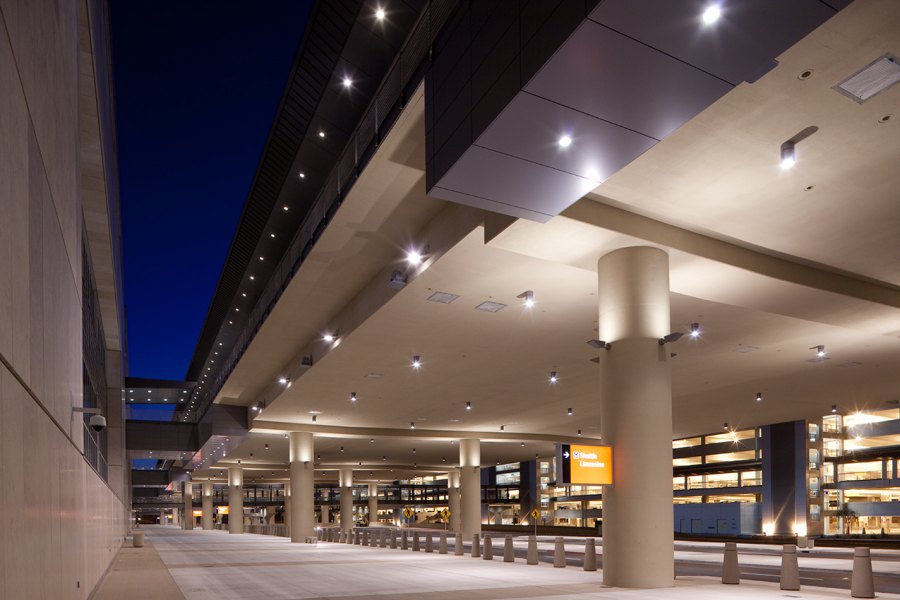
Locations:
(636, 418)
(373, 503)
(187, 494)
(453, 497)
(345, 481)
(470, 487)
(303, 509)
(162, 516)
(287, 504)
(325, 514)
(175, 519)
(207, 518)
(235, 500)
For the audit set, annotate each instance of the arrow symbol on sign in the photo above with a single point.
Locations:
(566, 454)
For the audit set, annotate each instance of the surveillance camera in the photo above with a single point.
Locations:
(98, 423)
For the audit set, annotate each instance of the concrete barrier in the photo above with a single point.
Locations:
(457, 545)
(509, 553)
(559, 553)
(137, 539)
(429, 543)
(731, 574)
(790, 572)
(590, 555)
(476, 546)
(532, 556)
(488, 552)
(861, 583)
(415, 542)
(442, 544)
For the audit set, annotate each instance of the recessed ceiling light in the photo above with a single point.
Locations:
(788, 155)
(412, 425)
(285, 207)
(283, 380)
(321, 134)
(262, 258)
(564, 141)
(301, 175)
(759, 396)
(468, 406)
(554, 378)
(353, 397)
(416, 362)
(328, 337)
(379, 14)
(711, 14)
(244, 294)
(695, 330)
(347, 82)
(413, 257)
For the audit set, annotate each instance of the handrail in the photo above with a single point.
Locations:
(92, 453)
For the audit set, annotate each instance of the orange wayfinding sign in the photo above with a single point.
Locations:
(585, 465)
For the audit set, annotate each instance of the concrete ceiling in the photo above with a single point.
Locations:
(767, 268)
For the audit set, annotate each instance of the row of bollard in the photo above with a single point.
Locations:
(862, 584)
(480, 548)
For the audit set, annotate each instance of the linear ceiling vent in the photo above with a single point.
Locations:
(872, 80)
(442, 297)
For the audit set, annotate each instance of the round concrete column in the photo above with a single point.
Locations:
(188, 495)
(636, 418)
(207, 497)
(303, 510)
(235, 500)
(287, 503)
(373, 503)
(346, 484)
(324, 519)
(470, 487)
(453, 499)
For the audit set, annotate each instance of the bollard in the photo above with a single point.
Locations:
(861, 583)
(730, 572)
(137, 539)
(429, 544)
(340, 537)
(532, 557)
(365, 536)
(590, 555)
(457, 545)
(393, 535)
(442, 544)
(509, 554)
(415, 545)
(404, 540)
(382, 538)
(476, 546)
(790, 573)
(488, 553)
(357, 537)
(559, 553)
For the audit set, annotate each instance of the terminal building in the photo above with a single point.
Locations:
(480, 234)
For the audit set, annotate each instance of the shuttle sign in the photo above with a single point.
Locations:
(584, 465)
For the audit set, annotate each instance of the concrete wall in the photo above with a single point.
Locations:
(60, 523)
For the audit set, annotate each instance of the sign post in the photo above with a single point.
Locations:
(535, 515)
(408, 513)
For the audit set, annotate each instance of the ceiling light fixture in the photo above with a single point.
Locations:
(503, 428)
(347, 82)
(416, 362)
(711, 14)
(553, 377)
(283, 380)
(579, 433)
(570, 412)
(398, 280)
(833, 408)
(353, 397)
(695, 330)
(379, 14)
(321, 134)
(725, 425)
(672, 337)
(342, 448)
(820, 350)
(468, 406)
(528, 297)
(329, 337)
(564, 141)
(414, 257)
(788, 155)
(412, 425)
(315, 418)
(759, 396)
(598, 344)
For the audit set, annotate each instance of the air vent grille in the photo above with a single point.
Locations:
(872, 80)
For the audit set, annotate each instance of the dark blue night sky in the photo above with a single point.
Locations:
(197, 87)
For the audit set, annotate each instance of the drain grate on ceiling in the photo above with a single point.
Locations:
(871, 80)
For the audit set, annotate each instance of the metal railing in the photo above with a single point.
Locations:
(276, 530)
(404, 75)
(92, 453)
